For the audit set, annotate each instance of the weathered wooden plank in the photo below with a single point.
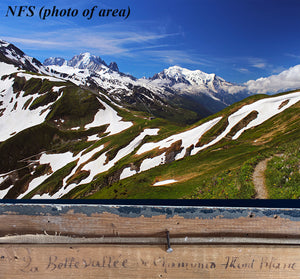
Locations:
(99, 220)
(144, 261)
(235, 227)
(58, 239)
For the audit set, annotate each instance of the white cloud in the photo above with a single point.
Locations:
(35, 42)
(109, 39)
(257, 62)
(286, 80)
(177, 57)
(259, 65)
(293, 55)
(112, 39)
(243, 70)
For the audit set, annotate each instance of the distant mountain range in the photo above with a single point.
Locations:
(82, 61)
(173, 87)
(83, 129)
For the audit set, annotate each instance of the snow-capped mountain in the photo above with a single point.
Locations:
(73, 139)
(127, 90)
(113, 66)
(173, 87)
(46, 114)
(86, 61)
(185, 81)
(10, 54)
(82, 61)
(58, 61)
(175, 79)
(207, 89)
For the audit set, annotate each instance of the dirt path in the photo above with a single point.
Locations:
(259, 179)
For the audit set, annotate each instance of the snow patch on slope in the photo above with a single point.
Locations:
(109, 116)
(99, 165)
(93, 138)
(150, 163)
(188, 138)
(16, 119)
(165, 182)
(266, 108)
(4, 192)
(57, 88)
(7, 69)
(29, 76)
(76, 75)
(33, 184)
(127, 172)
(58, 161)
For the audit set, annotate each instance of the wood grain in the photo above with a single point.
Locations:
(107, 224)
(144, 261)
(115, 220)
(119, 260)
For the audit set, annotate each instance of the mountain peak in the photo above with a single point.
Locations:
(59, 61)
(87, 54)
(177, 70)
(10, 54)
(113, 66)
(177, 74)
(83, 60)
(4, 43)
(87, 61)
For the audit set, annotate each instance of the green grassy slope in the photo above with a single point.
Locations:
(221, 171)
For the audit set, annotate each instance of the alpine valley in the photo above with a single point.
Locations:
(83, 129)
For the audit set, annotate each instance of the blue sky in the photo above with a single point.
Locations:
(238, 40)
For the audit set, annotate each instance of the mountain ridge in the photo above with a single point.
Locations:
(84, 60)
(10, 54)
(184, 89)
(172, 75)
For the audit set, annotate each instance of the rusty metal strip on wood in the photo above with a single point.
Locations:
(49, 239)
